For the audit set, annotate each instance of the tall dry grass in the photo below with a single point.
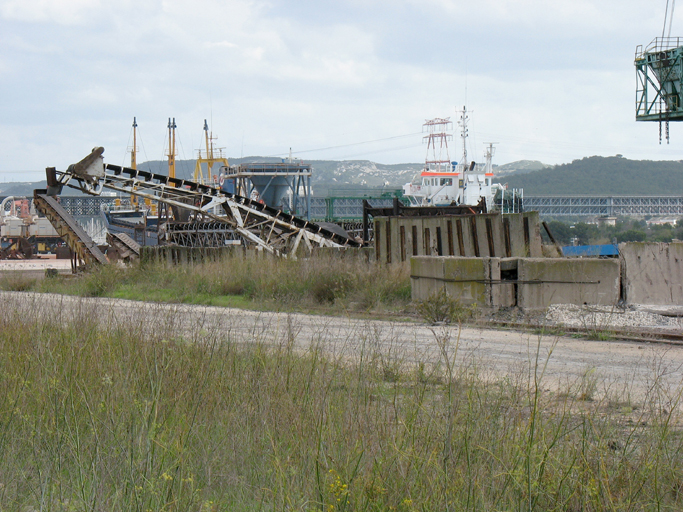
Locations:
(321, 282)
(140, 415)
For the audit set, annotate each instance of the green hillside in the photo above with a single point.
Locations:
(598, 175)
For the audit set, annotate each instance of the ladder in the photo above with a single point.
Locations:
(259, 225)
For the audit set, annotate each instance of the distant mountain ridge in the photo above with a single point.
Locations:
(593, 175)
(519, 167)
(597, 175)
(344, 172)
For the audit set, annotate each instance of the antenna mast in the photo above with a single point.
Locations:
(464, 133)
(437, 137)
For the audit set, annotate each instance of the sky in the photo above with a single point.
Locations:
(343, 80)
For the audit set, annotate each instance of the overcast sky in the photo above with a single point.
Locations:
(546, 80)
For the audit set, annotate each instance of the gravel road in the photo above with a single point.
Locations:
(618, 368)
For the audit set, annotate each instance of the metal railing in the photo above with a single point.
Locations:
(658, 44)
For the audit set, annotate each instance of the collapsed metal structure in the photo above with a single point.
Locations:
(85, 251)
(253, 222)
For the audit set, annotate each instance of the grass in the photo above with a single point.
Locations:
(142, 415)
(324, 283)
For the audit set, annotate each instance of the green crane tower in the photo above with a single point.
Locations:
(659, 77)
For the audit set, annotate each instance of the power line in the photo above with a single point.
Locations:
(349, 145)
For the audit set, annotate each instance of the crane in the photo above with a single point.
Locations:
(659, 77)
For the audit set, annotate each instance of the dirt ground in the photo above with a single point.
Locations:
(616, 369)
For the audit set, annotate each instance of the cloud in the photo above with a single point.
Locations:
(219, 44)
(63, 12)
(552, 79)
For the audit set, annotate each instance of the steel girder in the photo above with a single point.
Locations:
(604, 205)
(258, 224)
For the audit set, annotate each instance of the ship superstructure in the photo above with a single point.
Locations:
(443, 182)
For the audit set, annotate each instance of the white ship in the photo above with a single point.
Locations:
(443, 182)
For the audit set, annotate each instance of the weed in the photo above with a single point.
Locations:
(268, 283)
(588, 385)
(142, 415)
(440, 307)
(17, 282)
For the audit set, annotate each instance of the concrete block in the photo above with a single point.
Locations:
(482, 240)
(469, 280)
(652, 273)
(535, 244)
(464, 225)
(394, 241)
(416, 243)
(426, 276)
(501, 295)
(490, 235)
(518, 247)
(441, 236)
(578, 281)
(465, 279)
(404, 247)
(498, 236)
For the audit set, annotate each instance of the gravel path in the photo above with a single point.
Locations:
(617, 368)
(602, 317)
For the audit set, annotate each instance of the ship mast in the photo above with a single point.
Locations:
(209, 147)
(133, 159)
(210, 158)
(463, 134)
(171, 148)
(134, 150)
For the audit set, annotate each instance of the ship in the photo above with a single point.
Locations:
(443, 182)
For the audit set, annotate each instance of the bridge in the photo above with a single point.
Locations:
(601, 206)
(351, 208)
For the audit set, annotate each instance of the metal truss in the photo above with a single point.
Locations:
(257, 224)
(659, 72)
(339, 209)
(604, 206)
(88, 205)
(85, 251)
(199, 234)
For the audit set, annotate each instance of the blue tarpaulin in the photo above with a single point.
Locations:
(591, 250)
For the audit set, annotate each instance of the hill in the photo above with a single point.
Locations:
(593, 175)
(519, 167)
(358, 174)
(598, 175)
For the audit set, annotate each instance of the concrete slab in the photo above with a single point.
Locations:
(465, 279)
(545, 281)
(652, 273)
(426, 276)
(518, 247)
(532, 220)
